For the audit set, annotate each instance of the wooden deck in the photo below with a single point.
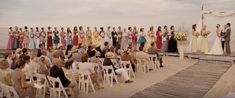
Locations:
(193, 82)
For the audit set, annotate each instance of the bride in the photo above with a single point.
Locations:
(216, 48)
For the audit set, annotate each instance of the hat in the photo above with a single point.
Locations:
(74, 49)
(109, 55)
(18, 50)
(4, 64)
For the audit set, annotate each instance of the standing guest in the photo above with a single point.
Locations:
(26, 38)
(227, 38)
(49, 38)
(159, 37)
(56, 38)
(43, 39)
(31, 39)
(69, 37)
(21, 37)
(195, 35)
(119, 33)
(103, 36)
(124, 42)
(96, 37)
(19, 80)
(89, 36)
(75, 36)
(121, 71)
(172, 46)
(82, 35)
(5, 72)
(165, 39)
(37, 37)
(108, 36)
(114, 37)
(150, 37)
(129, 33)
(16, 38)
(154, 51)
(204, 33)
(63, 37)
(141, 37)
(57, 72)
(135, 36)
(10, 38)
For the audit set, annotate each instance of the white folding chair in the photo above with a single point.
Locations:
(109, 76)
(128, 67)
(141, 66)
(56, 91)
(101, 60)
(9, 91)
(40, 85)
(84, 82)
(153, 59)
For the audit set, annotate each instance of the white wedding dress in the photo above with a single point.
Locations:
(216, 48)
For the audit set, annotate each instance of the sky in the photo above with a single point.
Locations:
(105, 12)
(140, 13)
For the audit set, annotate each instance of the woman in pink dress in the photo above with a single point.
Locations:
(21, 38)
(49, 38)
(10, 38)
(159, 37)
(63, 36)
(75, 36)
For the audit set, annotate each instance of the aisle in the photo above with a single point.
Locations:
(142, 81)
(192, 82)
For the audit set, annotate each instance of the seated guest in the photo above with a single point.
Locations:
(25, 52)
(90, 48)
(41, 48)
(19, 81)
(47, 59)
(154, 51)
(105, 49)
(57, 71)
(42, 66)
(127, 57)
(5, 72)
(141, 55)
(121, 71)
(29, 68)
(61, 50)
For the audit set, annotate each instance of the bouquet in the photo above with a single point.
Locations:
(205, 33)
(181, 36)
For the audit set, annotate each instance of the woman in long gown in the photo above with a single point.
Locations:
(43, 35)
(21, 38)
(82, 36)
(141, 37)
(49, 38)
(108, 36)
(95, 37)
(69, 37)
(204, 44)
(89, 36)
(119, 33)
(102, 36)
(75, 36)
(195, 35)
(150, 37)
(10, 38)
(172, 45)
(114, 37)
(16, 38)
(56, 38)
(216, 48)
(26, 37)
(165, 39)
(37, 38)
(159, 38)
(135, 37)
(124, 41)
(63, 37)
(129, 33)
(31, 39)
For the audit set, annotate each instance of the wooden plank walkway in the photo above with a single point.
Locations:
(192, 82)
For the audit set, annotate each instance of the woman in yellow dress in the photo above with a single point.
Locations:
(204, 42)
(150, 38)
(95, 37)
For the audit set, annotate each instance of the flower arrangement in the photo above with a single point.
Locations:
(181, 36)
(205, 33)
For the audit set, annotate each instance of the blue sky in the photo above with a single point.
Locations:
(105, 12)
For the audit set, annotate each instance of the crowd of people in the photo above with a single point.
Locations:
(24, 62)
(51, 38)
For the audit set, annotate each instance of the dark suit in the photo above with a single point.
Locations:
(227, 39)
(222, 40)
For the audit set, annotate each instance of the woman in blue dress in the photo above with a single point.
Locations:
(31, 39)
(16, 43)
(141, 37)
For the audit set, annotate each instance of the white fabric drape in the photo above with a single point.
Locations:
(220, 14)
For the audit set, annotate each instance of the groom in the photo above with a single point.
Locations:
(226, 37)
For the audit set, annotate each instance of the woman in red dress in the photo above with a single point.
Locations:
(75, 36)
(159, 37)
(49, 38)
